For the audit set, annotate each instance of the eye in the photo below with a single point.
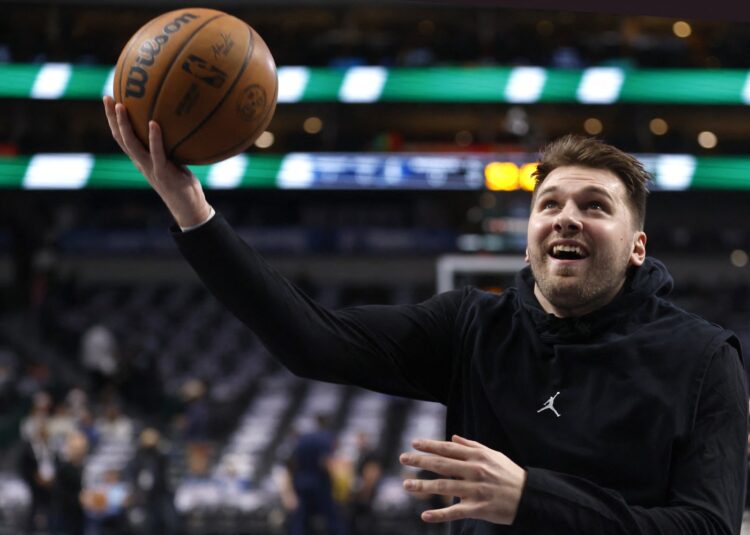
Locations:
(596, 205)
(549, 203)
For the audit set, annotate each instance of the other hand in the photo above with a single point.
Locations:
(488, 484)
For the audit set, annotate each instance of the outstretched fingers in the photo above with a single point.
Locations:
(444, 449)
(439, 465)
(443, 487)
(466, 442)
(488, 484)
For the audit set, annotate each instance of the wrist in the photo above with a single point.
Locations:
(190, 210)
(190, 217)
(518, 490)
(211, 214)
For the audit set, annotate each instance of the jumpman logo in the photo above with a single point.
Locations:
(550, 404)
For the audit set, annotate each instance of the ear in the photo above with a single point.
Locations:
(526, 257)
(638, 254)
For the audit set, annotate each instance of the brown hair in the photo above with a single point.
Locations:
(594, 153)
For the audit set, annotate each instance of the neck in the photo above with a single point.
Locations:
(576, 310)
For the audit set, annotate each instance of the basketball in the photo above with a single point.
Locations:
(206, 77)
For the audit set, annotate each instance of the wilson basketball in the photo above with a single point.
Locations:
(205, 76)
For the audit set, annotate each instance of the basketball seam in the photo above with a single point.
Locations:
(174, 57)
(262, 125)
(246, 62)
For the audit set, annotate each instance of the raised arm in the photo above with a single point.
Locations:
(401, 350)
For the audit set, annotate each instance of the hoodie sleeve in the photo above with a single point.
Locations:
(401, 350)
(709, 472)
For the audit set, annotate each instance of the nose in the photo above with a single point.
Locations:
(568, 220)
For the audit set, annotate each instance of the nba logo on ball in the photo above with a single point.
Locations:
(206, 77)
(203, 71)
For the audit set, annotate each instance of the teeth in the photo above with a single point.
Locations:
(568, 249)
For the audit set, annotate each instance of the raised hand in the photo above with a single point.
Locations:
(175, 184)
(487, 482)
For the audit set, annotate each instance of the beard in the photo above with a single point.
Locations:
(574, 287)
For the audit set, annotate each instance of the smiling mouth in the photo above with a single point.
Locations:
(568, 252)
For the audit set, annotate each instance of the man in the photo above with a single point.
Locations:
(310, 474)
(652, 400)
(68, 484)
(368, 472)
(37, 469)
(148, 476)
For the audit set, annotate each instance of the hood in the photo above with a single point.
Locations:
(649, 280)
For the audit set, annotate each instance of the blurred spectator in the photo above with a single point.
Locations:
(66, 491)
(11, 408)
(199, 461)
(342, 479)
(310, 470)
(198, 457)
(41, 407)
(105, 504)
(368, 473)
(78, 403)
(37, 469)
(114, 426)
(151, 505)
(61, 424)
(194, 422)
(87, 426)
(99, 356)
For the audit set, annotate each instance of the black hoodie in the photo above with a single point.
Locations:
(631, 419)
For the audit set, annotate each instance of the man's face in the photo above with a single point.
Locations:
(581, 240)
